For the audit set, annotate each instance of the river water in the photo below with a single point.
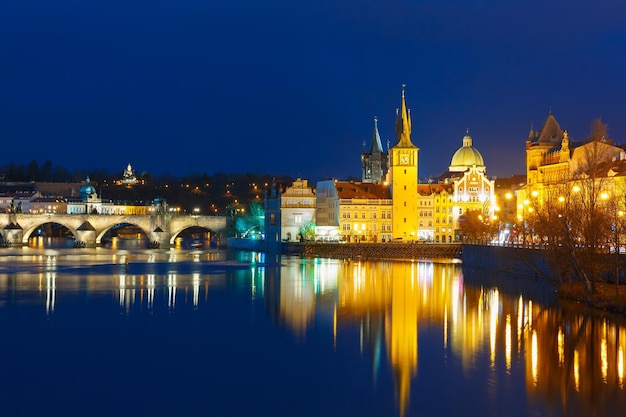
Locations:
(201, 332)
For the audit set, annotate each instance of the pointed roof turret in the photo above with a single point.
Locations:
(551, 131)
(531, 134)
(376, 146)
(403, 125)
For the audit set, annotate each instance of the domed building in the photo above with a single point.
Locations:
(471, 190)
(466, 157)
(87, 191)
(88, 203)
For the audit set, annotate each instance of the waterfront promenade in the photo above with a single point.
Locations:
(374, 250)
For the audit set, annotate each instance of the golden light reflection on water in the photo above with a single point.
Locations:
(565, 355)
(554, 345)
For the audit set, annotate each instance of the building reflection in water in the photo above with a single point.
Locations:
(570, 358)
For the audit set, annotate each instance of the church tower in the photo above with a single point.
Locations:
(375, 163)
(403, 177)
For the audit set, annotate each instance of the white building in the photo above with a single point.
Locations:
(297, 210)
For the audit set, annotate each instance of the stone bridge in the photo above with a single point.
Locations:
(89, 229)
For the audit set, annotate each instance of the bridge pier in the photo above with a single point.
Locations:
(159, 239)
(12, 237)
(86, 238)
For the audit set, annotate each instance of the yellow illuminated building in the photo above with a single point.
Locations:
(436, 202)
(403, 178)
(353, 211)
(555, 163)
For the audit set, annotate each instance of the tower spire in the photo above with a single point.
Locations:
(376, 146)
(403, 124)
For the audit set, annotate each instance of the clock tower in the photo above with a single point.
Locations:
(403, 177)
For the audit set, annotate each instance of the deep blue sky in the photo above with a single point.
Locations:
(291, 87)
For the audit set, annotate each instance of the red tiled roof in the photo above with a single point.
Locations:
(362, 190)
(428, 189)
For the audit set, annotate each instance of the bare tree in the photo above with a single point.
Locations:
(573, 216)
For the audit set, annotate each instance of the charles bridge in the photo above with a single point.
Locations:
(89, 229)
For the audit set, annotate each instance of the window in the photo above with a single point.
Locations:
(374, 215)
(363, 215)
(297, 218)
(272, 218)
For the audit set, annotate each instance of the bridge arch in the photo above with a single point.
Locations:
(177, 233)
(112, 227)
(34, 226)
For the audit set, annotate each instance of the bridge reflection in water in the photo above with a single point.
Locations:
(569, 359)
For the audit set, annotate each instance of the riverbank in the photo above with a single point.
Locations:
(533, 264)
(606, 296)
(375, 251)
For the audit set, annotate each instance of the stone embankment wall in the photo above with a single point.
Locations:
(520, 261)
(374, 250)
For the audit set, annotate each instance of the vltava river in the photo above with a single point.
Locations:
(108, 332)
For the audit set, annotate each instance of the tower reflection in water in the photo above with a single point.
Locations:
(569, 358)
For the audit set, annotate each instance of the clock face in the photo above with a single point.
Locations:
(404, 159)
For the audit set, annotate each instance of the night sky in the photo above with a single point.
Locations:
(291, 87)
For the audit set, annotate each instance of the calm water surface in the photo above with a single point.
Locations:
(112, 332)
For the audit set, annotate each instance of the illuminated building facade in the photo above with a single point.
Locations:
(555, 163)
(436, 202)
(471, 190)
(49, 205)
(298, 209)
(353, 211)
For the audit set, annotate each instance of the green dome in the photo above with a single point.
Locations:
(87, 190)
(466, 156)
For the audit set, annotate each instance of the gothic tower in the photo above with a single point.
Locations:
(403, 177)
(375, 163)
